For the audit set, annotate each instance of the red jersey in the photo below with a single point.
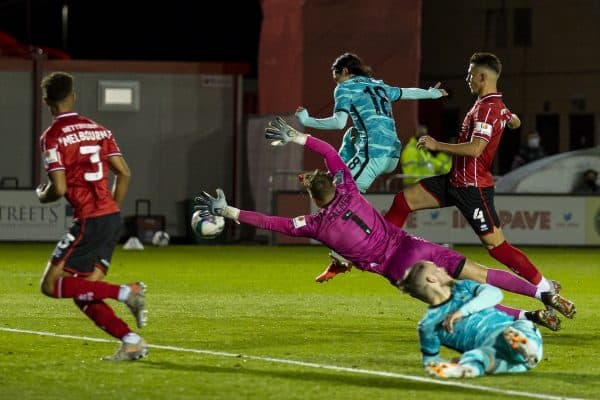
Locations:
(81, 147)
(485, 120)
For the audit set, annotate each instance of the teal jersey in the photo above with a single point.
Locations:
(469, 333)
(369, 103)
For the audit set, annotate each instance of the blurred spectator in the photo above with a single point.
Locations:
(529, 151)
(588, 183)
(416, 162)
(443, 161)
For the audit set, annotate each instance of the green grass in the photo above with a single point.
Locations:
(262, 301)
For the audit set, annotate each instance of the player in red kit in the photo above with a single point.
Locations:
(79, 155)
(469, 185)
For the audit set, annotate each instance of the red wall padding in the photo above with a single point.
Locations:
(301, 38)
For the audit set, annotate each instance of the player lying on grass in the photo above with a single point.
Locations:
(462, 317)
(349, 225)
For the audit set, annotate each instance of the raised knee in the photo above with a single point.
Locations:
(47, 287)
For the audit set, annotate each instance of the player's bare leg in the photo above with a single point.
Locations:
(50, 276)
(412, 198)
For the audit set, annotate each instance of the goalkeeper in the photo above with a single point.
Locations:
(348, 224)
(462, 317)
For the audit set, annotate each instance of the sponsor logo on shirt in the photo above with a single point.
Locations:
(299, 222)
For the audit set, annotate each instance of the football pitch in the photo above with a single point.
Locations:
(249, 322)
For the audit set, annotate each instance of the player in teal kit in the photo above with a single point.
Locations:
(371, 147)
(462, 317)
(348, 224)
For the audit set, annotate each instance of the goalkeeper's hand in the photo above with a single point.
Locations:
(214, 206)
(280, 133)
(205, 203)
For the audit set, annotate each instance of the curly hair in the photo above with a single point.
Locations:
(353, 63)
(57, 86)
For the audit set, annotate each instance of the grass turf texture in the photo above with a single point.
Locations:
(263, 301)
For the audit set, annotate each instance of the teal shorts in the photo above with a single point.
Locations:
(366, 171)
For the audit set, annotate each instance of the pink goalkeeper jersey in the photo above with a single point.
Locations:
(351, 226)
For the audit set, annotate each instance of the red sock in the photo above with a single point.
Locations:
(104, 317)
(399, 211)
(81, 289)
(517, 261)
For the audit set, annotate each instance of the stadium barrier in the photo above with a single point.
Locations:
(527, 219)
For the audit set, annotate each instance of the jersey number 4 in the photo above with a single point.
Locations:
(94, 152)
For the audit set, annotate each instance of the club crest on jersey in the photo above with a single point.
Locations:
(50, 156)
(483, 128)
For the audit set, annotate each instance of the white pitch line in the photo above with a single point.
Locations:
(312, 365)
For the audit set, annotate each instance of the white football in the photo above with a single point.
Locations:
(160, 238)
(207, 226)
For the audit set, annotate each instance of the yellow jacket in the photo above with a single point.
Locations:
(416, 162)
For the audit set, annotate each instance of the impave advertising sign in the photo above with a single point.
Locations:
(534, 220)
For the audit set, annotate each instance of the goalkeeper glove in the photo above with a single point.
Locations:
(216, 206)
(280, 133)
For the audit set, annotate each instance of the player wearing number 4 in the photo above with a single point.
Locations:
(78, 154)
(348, 224)
(470, 185)
(371, 147)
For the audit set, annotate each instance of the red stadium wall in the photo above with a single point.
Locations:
(300, 39)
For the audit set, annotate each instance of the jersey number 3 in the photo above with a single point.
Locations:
(94, 152)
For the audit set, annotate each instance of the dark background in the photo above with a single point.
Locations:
(135, 30)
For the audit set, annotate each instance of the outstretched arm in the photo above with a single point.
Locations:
(474, 148)
(298, 226)
(434, 92)
(280, 133)
(336, 121)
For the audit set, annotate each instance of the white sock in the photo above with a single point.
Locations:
(131, 338)
(543, 286)
(124, 291)
(522, 314)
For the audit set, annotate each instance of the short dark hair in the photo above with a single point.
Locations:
(353, 63)
(488, 60)
(57, 86)
(320, 184)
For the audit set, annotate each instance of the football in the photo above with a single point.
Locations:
(207, 226)
(160, 238)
